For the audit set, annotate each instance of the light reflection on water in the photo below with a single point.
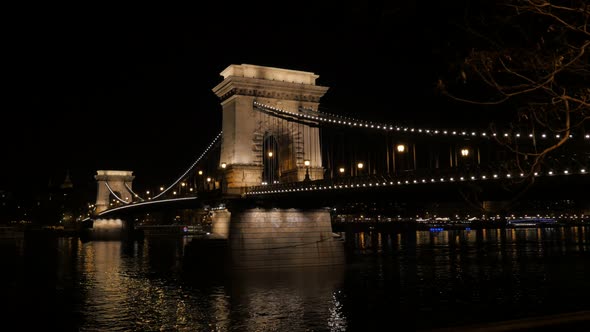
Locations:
(142, 288)
(417, 279)
(458, 277)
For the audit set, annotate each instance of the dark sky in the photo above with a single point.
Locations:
(98, 88)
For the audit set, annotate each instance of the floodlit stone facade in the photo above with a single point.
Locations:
(245, 127)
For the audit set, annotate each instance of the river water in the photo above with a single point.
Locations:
(392, 281)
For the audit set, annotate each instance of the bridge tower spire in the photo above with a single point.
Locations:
(246, 128)
(119, 182)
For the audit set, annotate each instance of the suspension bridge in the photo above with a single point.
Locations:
(277, 146)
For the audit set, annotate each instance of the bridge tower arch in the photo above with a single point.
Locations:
(272, 155)
(120, 183)
(245, 126)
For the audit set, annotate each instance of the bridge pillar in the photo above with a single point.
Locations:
(220, 223)
(279, 238)
(246, 128)
(120, 183)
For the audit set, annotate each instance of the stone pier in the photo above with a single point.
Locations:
(277, 238)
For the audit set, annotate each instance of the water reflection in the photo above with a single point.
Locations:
(456, 277)
(416, 280)
(141, 286)
(565, 239)
(280, 300)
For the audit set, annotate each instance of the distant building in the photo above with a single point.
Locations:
(67, 200)
(67, 184)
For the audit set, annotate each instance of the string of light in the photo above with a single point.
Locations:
(133, 192)
(115, 195)
(191, 167)
(351, 122)
(146, 203)
(270, 189)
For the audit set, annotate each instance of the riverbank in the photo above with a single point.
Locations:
(412, 225)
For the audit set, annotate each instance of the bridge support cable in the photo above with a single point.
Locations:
(215, 141)
(133, 192)
(405, 149)
(316, 118)
(284, 115)
(115, 195)
(133, 206)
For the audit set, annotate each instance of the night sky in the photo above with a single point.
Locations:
(99, 88)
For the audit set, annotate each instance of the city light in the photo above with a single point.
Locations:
(465, 152)
(223, 165)
(327, 117)
(483, 177)
(360, 165)
(400, 148)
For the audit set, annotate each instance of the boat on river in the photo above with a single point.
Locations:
(531, 222)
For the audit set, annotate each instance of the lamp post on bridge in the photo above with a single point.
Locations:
(200, 181)
(465, 156)
(222, 181)
(401, 149)
(464, 152)
(306, 162)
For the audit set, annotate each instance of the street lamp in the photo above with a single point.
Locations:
(306, 162)
(465, 155)
(222, 182)
(400, 149)
(341, 170)
(199, 183)
(464, 152)
(270, 154)
(359, 167)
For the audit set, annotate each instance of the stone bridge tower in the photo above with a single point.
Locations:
(246, 128)
(120, 183)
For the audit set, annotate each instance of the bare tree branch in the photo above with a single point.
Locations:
(542, 68)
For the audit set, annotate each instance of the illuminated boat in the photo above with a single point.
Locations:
(531, 222)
